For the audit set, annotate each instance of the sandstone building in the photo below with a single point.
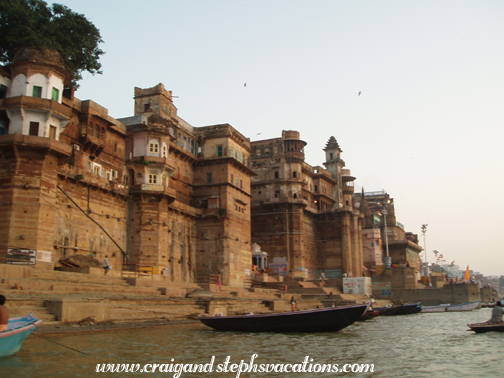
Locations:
(378, 208)
(148, 190)
(304, 215)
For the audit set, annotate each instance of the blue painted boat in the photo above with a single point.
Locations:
(18, 329)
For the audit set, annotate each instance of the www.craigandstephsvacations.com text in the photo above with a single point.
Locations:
(307, 366)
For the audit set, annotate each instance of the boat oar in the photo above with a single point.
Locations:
(59, 344)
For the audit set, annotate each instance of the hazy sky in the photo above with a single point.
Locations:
(427, 128)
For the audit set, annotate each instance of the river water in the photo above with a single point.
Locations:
(417, 345)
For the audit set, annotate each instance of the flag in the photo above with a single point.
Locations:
(452, 262)
(467, 275)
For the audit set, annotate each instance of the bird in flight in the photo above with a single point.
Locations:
(245, 84)
(359, 93)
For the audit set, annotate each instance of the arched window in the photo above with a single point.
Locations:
(97, 131)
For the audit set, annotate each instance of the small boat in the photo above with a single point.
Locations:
(440, 308)
(317, 320)
(413, 308)
(370, 314)
(385, 311)
(487, 327)
(469, 306)
(399, 309)
(18, 329)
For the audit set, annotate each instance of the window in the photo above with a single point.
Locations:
(55, 94)
(152, 179)
(166, 109)
(231, 152)
(232, 178)
(115, 175)
(97, 131)
(237, 181)
(108, 175)
(245, 161)
(276, 174)
(330, 156)
(115, 146)
(236, 155)
(3, 91)
(52, 132)
(294, 174)
(97, 169)
(219, 150)
(240, 157)
(37, 91)
(153, 147)
(209, 177)
(241, 184)
(34, 128)
(146, 107)
(164, 152)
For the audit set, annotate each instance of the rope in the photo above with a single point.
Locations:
(58, 343)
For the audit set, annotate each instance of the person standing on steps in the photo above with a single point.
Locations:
(105, 265)
(218, 281)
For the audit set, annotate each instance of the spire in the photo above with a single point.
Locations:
(332, 144)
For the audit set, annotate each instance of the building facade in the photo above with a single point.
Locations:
(148, 190)
(304, 215)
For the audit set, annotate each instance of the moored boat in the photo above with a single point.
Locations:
(317, 320)
(405, 309)
(469, 306)
(18, 329)
(370, 314)
(487, 327)
(385, 311)
(440, 308)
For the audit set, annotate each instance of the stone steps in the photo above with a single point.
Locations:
(30, 285)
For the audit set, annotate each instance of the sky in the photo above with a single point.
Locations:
(427, 127)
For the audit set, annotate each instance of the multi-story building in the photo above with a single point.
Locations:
(190, 192)
(383, 234)
(149, 190)
(304, 215)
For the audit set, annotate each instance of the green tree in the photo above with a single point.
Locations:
(32, 23)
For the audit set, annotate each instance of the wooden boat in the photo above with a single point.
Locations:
(399, 309)
(317, 320)
(413, 308)
(370, 314)
(440, 308)
(18, 329)
(487, 327)
(385, 311)
(469, 306)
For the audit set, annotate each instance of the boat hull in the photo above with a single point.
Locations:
(487, 327)
(399, 310)
(317, 320)
(369, 315)
(18, 329)
(464, 306)
(440, 308)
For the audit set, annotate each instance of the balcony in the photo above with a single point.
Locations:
(155, 161)
(35, 142)
(154, 189)
(42, 104)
